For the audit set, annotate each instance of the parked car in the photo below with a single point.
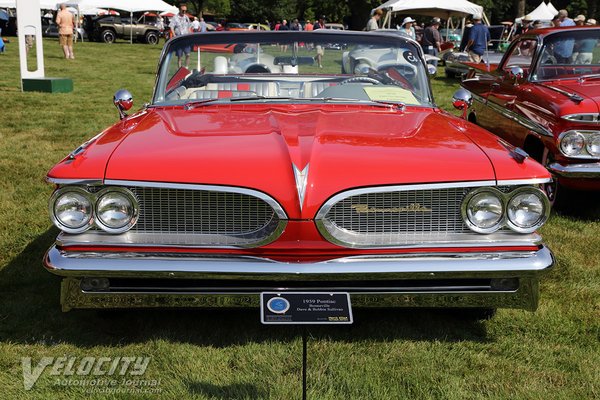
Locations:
(231, 184)
(455, 58)
(334, 26)
(110, 28)
(51, 30)
(543, 97)
(263, 27)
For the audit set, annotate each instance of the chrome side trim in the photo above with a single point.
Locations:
(228, 189)
(518, 118)
(396, 266)
(591, 170)
(84, 182)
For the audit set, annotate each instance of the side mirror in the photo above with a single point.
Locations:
(431, 69)
(516, 73)
(462, 100)
(123, 100)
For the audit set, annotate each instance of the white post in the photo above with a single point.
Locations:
(29, 25)
(131, 27)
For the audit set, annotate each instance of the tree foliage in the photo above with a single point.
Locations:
(355, 13)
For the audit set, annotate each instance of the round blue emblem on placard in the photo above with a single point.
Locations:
(278, 305)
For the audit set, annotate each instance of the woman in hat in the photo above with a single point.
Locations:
(407, 28)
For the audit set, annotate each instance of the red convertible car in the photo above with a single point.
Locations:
(544, 97)
(269, 170)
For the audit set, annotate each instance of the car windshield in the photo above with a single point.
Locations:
(292, 67)
(570, 54)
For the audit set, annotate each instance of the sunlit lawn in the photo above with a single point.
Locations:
(387, 354)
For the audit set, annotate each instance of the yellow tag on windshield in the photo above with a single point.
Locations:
(390, 93)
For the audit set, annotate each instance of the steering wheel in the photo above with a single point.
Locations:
(365, 79)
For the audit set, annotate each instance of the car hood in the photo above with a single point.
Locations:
(588, 90)
(343, 147)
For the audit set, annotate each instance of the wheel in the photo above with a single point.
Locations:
(551, 188)
(152, 37)
(108, 36)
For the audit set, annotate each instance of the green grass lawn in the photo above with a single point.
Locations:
(386, 354)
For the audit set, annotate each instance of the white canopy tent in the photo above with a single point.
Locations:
(542, 13)
(552, 9)
(434, 8)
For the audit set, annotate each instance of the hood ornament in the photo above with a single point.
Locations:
(301, 177)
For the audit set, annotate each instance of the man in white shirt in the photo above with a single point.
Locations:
(181, 25)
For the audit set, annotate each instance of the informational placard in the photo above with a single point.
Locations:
(305, 308)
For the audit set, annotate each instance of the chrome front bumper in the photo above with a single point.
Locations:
(591, 170)
(406, 280)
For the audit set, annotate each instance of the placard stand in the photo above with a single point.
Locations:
(305, 308)
(29, 26)
(304, 340)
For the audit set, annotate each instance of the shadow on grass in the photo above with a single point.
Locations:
(232, 391)
(30, 313)
(577, 204)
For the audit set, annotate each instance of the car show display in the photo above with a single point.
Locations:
(278, 162)
(544, 97)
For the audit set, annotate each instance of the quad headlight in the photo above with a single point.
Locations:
(483, 210)
(527, 209)
(523, 210)
(71, 209)
(593, 145)
(116, 210)
(75, 210)
(572, 143)
(580, 144)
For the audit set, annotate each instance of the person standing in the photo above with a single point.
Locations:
(196, 25)
(180, 25)
(308, 26)
(203, 25)
(432, 40)
(373, 23)
(563, 16)
(407, 27)
(479, 36)
(65, 22)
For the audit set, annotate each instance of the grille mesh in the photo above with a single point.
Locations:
(398, 217)
(202, 216)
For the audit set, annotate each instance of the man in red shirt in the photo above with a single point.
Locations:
(65, 22)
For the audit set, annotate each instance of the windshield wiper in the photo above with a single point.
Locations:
(382, 103)
(190, 105)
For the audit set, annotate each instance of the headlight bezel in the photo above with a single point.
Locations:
(134, 205)
(506, 198)
(93, 197)
(52, 209)
(465, 208)
(543, 218)
(584, 152)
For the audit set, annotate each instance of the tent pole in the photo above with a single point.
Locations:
(448, 27)
(130, 27)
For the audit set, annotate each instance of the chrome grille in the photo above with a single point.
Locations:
(201, 217)
(397, 218)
